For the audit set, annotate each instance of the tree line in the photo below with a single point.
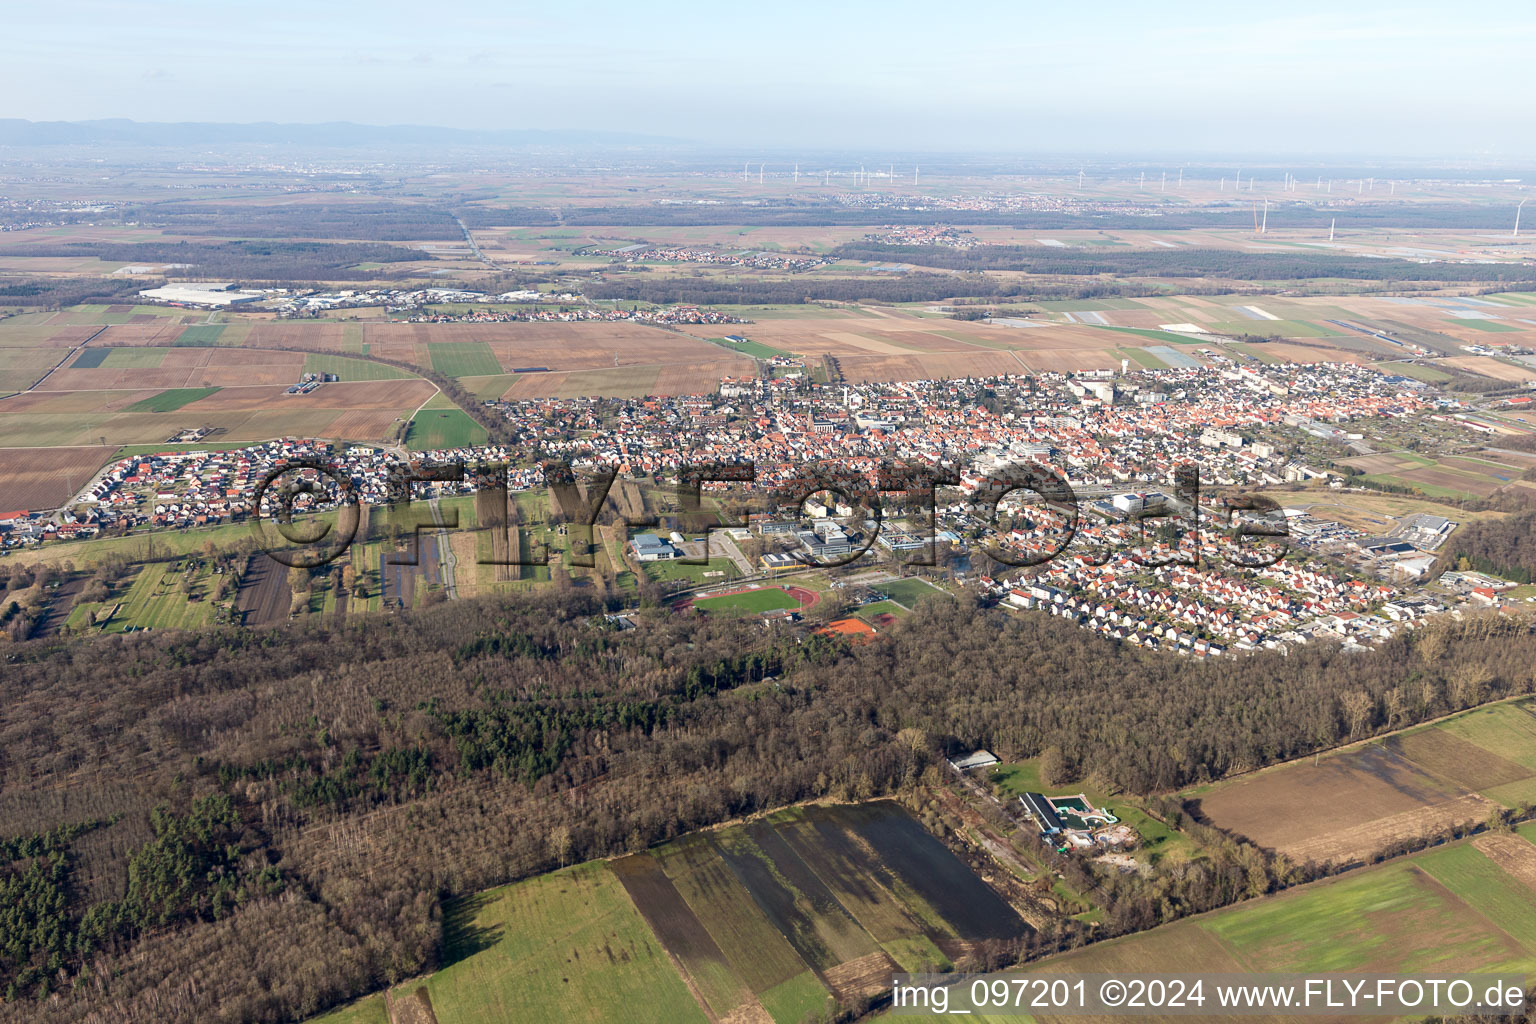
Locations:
(1185, 262)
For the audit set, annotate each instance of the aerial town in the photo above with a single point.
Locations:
(1116, 439)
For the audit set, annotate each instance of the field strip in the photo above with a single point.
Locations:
(1369, 836)
(1512, 853)
(68, 354)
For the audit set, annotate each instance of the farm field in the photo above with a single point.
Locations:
(771, 920)
(664, 934)
(362, 411)
(159, 595)
(564, 946)
(31, 480)
(1442, 912)
(1351, 803)
(347, 368)
(1446, 477)
(21, 368)
(463, 358)
(441, 424)
(1488, 366)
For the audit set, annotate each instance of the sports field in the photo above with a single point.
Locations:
(1351, 803)
(766, 599)
(908, 592)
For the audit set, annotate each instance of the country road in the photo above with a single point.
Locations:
(445, 555)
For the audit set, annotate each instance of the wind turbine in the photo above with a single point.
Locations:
(914, 174)
(759, 174)
(1164, 187)
(744, 172)
(1331, 225)
(1517, 219)
(1079, 179)
(1181, 178)
(1264, 228)
(797, 174)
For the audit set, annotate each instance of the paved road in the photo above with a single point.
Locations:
(474, 248)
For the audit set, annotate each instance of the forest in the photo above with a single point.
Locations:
(913, 287)
(253, 825)
(380, 221)
(57, 292)
(245, 260)
(1504, 547)
(1189, 262)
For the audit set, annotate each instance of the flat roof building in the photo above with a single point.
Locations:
(1039, 808)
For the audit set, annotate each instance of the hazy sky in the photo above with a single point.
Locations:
(1443, 79)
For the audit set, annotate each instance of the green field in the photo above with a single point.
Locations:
(677, 570)
(1277, 328)
(753, 922)
(199, 336)
(1493, 326)
(348, 368)
(1166, 337)
(752, 348)
(463, 358)
(152, 598)
(870, 611)
(1428, 374)
(1142, 358)
(1088, 305)
(128, 358)
(1434, 913)
(907, 591)
(20, 368)
(171, 400)
(368, 1010)
(488, 388)
(441, 424)
(564, 946)
(765, 600)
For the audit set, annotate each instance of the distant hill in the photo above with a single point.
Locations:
(17, 132)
